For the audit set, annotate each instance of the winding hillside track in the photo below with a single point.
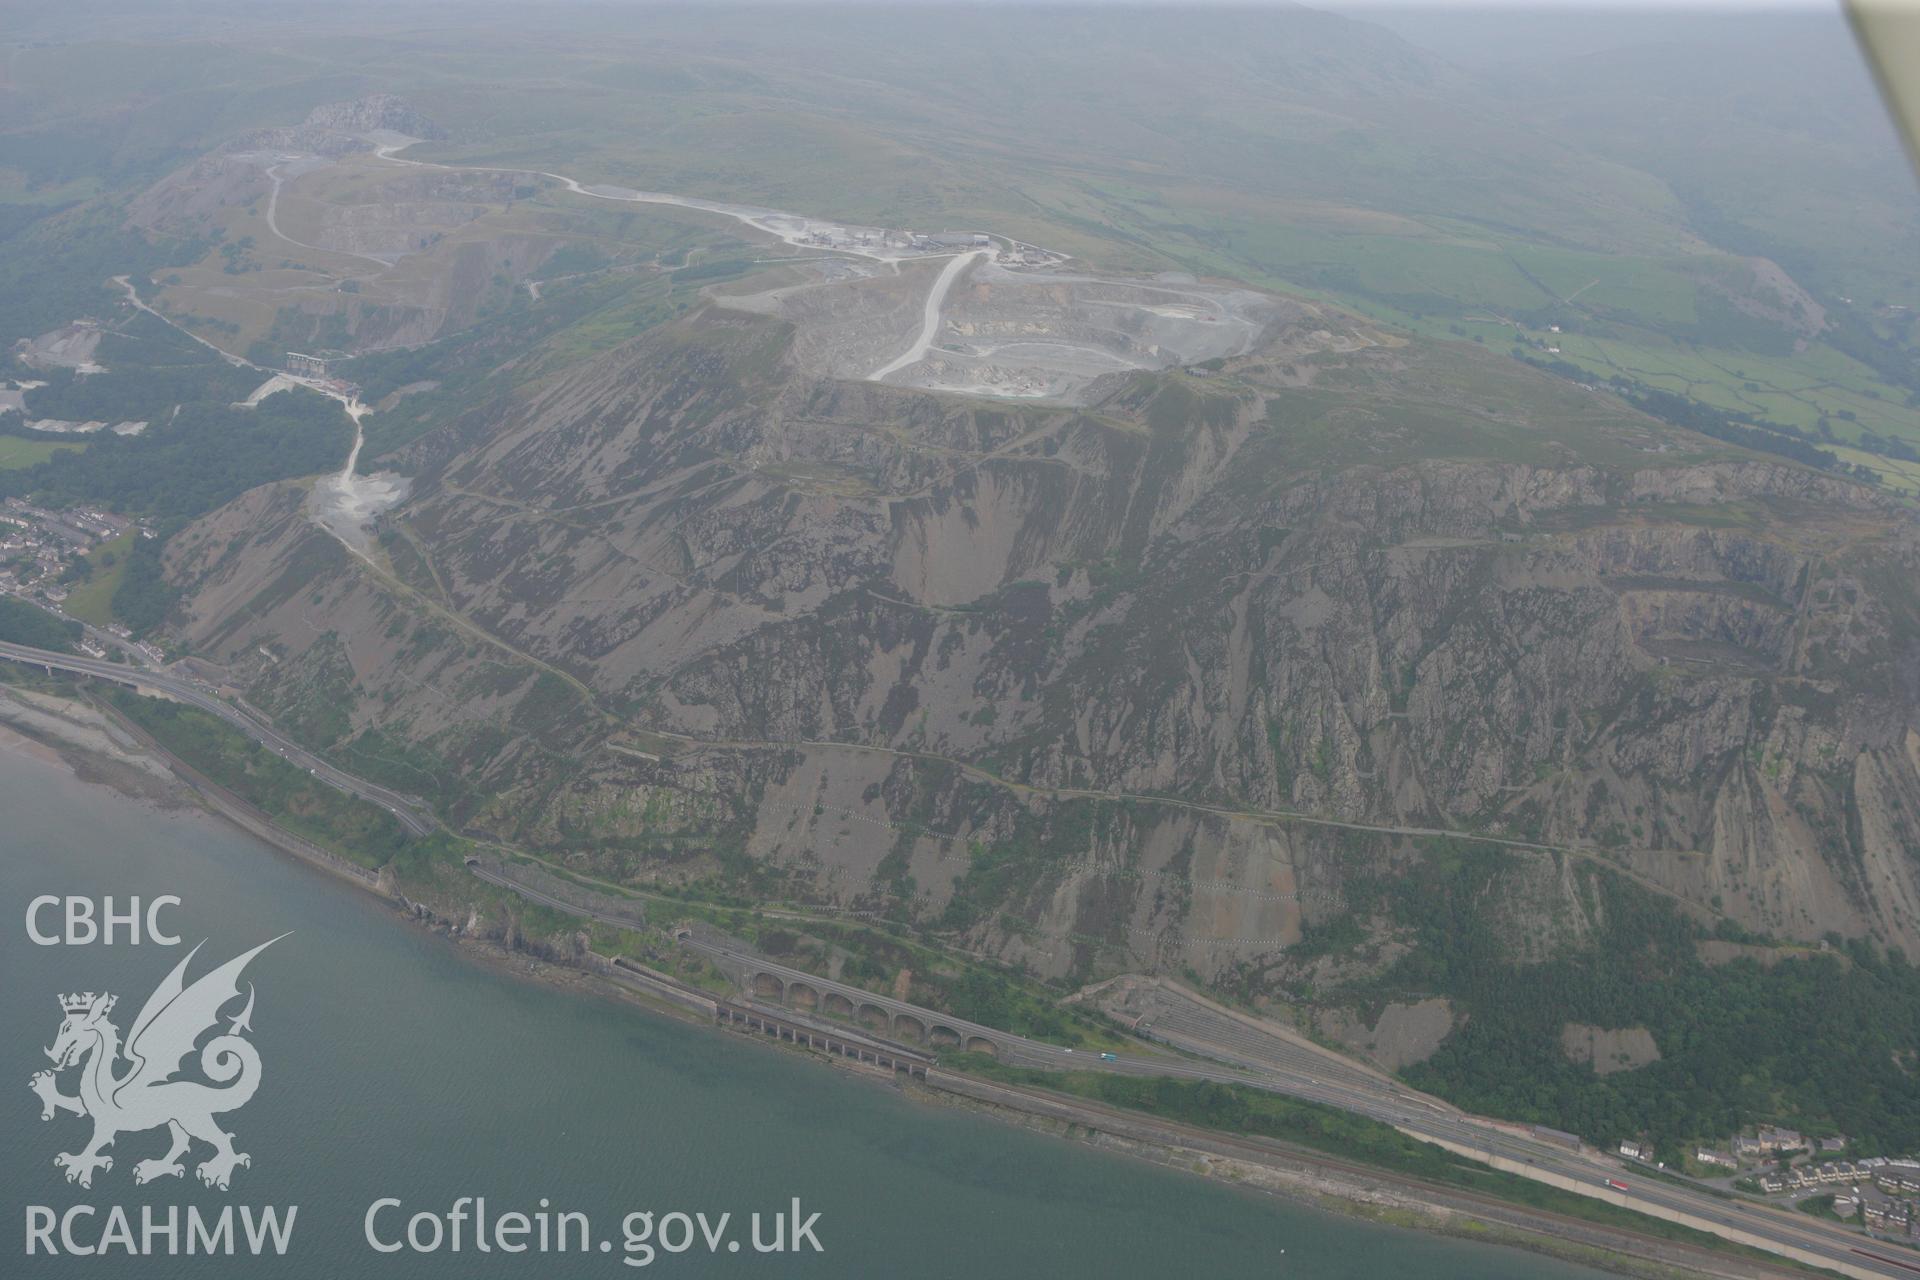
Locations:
(766, 221)
(133, 296)
(930, 315)
(1304, 1078)
(273, 225)
(1265, 816)
(1261, 1066)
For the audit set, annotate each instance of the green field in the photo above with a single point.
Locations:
(1662, 322)
(1794, 390)
(1757, 266)
(17, 452)
(92, 600)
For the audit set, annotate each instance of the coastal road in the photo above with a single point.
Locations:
(1326, 1083)
(1361, 1093)
(411, 814)
(531, 894)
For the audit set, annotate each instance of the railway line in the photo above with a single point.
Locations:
(1240, 1055)
(410, 812)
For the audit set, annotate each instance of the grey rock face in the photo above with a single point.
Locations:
(1157, 679)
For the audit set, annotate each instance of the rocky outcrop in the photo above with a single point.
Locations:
(335, 129)
(376, 112)
(1046, 678)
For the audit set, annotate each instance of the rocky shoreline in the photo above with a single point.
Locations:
(103, 749)
(1338, 1186)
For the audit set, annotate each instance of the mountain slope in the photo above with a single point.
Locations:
(1415, 589)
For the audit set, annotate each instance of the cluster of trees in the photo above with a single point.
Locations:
(183, 465)
(353, 828)
(1893, 360)
(1827, 1042)
(23, 623)
(136, 393)
(1887, 446)
(994, 1001)
(208, 455)
(143, 599)
(55, 263)
(1771, 437)
(1761, 437)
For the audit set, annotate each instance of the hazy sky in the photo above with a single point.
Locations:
(1588, 6)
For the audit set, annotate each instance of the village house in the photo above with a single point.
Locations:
(1773, 1139)
(1886, 1215)
(1897, 1181)
(1842, 1171)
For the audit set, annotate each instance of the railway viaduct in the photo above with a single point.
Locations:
(881, 1015)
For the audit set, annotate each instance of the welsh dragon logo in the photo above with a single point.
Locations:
(145, 1094)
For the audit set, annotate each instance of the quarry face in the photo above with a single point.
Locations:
(983, 325)
(360, 243)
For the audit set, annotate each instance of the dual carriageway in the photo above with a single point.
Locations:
(1233, 1053)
